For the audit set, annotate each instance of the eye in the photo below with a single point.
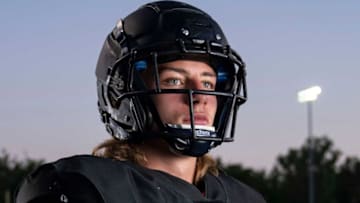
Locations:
(173, 82)
(208, 85)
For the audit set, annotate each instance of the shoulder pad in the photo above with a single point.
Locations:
(47, 184)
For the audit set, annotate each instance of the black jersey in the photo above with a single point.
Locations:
(90, 179)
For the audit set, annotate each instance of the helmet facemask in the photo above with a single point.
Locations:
(189, 139)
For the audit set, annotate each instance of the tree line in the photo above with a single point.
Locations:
(337, 178)
(12, 172)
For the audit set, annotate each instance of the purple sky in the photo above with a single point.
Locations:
(48, 52)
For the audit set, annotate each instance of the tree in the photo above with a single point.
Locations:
(289, 177)
(253, 178)
(12, 172)
(348, 189)
(288, 180)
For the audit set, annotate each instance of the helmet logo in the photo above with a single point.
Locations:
(202, 133)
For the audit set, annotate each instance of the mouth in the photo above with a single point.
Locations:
(198, 120)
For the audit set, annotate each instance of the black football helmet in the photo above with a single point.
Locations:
(156, 33)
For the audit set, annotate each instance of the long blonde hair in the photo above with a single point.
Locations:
(122, 150)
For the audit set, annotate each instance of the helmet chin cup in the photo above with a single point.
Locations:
(195, 141)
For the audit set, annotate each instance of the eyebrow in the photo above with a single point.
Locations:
(182, 71)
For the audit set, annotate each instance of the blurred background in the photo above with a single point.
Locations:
(49, 49)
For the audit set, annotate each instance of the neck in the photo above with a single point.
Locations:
(160, 157)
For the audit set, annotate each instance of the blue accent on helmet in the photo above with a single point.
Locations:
(222, 75)
(140, 65)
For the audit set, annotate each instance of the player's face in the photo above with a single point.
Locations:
(186, 74)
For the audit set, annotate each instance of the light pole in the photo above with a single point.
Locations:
(309, 96)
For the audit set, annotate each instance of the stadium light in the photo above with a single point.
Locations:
(309, 96)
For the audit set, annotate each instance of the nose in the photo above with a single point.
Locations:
(200, 99)
(197, 98)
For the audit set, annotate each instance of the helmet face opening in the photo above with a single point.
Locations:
(131, 89)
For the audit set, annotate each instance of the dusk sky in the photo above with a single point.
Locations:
(49, 49)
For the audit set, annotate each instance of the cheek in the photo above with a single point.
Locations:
(169, 106)
(212, 105)
(212, 102)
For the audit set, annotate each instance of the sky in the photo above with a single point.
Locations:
(49, 49)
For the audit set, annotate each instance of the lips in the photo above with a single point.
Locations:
(199, 119)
